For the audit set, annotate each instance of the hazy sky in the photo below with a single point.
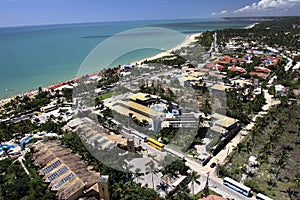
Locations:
(29, 12)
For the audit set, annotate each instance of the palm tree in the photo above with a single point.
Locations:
(118, 190)
(296, 181)
(194, 176)
(150, 168)
(98, 102)
(138, 175)
(162, 186)
(182, 193)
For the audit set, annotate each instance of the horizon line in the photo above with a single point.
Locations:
(137, 20)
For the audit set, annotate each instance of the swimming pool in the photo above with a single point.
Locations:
(25, 141)
(6, 146)
(158, 108)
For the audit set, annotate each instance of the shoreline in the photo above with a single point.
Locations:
(33, 92)
(190, 38)
(250, 26)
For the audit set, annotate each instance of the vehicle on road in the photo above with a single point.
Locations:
(155, 144)
(261, 196)
(236, 186)
(212, 165)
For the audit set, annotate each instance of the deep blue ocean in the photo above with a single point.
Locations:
(37, 56)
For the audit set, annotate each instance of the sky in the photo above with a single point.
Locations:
(37, 12)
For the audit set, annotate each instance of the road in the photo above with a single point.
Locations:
(215, 183)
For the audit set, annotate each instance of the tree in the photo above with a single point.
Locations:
(194, 176)
(296, 181)
(150, 168)
(205, 191)
(138, 175)
(162, 186)
(181, 193)
(118, 190)
(99, 102)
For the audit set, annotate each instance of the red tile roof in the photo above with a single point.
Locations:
(209, 65)
(262, 69)
(260, 74)
(237, 69)
(213, 197)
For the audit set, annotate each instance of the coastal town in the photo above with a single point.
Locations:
(205, 120)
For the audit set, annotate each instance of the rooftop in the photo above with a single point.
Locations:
(67, 174)
(142, 96)
(223, 121)
(220, 87)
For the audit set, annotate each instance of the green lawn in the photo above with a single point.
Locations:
(105, 95)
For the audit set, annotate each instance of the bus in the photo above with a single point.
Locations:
(155, 144)
(48, 108)
(261, 196)
(238, 187)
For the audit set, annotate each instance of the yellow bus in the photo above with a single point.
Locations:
(155, 144)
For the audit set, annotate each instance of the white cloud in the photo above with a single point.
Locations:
(219, 13)
(223, 12)
(267, 5)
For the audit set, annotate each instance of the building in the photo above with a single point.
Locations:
(213, 197)
(219, 88)
(185, 120)
(103, 185)
(187, 80)
(280, 89)
(223, 124)
(144, 98)
(68, 176)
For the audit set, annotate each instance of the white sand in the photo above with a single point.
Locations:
(188, 40)
(251, 26)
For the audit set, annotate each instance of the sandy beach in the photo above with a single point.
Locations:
(251, 26)
(188, 40)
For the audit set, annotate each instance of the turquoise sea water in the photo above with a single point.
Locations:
(35, 56)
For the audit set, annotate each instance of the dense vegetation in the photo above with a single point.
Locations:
(167, 60)
(245, 105)
(275, 142)
(16, 184)
(24, 105)
(278, 32)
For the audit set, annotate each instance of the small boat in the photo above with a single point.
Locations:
(8, 90)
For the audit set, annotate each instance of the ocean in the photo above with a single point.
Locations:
(38, 56)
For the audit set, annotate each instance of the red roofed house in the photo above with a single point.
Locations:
(237, 69)
(213, 197)
(259, 74)
(219, 67)
(214, 66)
(209, 66)
(225, 60)
(274, 60)
(262, 69)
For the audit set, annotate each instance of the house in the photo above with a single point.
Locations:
(219, 88)
(280, 89)
(187, 80)
(259, 74)
(237, 69)
(223, 124)
(213, 197)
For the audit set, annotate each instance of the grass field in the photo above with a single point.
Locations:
(105, 95)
